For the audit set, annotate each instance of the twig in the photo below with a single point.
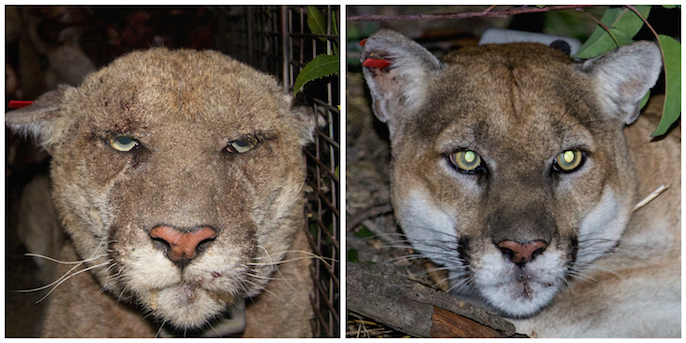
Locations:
(374, 211)
(659, 44)
(650, 197)
(607, 29)
(463, 15)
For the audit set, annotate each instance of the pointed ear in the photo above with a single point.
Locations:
(39, 118)
(306, 119)
(398, 72)
(622, 77)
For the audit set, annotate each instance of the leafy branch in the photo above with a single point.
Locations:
(617, 27)
(322, 65)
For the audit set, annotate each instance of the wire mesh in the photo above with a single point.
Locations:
(277, 40)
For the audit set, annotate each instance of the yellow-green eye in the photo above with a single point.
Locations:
(241, 146)
(123, 142)
(466, 160)
(569, 160)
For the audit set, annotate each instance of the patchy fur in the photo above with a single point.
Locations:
(559, 251)
(184, 110)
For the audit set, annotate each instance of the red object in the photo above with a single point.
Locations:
(362, 42)
(19, 103)
(375, 63)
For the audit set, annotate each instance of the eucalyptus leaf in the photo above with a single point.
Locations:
(320, 66)
(316, 22)
(334, 28)
(623, 23)
(645, 99)
(671, 111)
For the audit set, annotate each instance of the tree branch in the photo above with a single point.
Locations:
(463, 15)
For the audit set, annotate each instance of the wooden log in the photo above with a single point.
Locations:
(410, 307)
(448, 324)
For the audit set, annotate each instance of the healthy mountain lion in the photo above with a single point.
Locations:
(178, 177)
(515, 168)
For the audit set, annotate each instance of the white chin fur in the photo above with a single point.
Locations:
(188, 298)
(186, 306)
(520, 292)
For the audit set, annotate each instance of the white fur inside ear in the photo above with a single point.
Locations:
(624, 76)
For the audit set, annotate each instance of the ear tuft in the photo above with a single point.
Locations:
(623, 77)
(398, 71)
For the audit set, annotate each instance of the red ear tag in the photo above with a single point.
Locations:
(363, 42)
(375, 63)
(19, 103)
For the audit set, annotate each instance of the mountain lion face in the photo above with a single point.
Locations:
(510, 167)
(178, 177)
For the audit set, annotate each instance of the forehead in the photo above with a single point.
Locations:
(499, 93)
(156, 87)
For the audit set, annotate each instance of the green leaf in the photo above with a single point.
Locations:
(334, 28)
(623, 23)
(363, 233)
(317, 24)
(320, 66)
(570, 23)
(670, 6)
(645, 99)
(334, 24)
(316, 21)
(352, 256)
(671, 49)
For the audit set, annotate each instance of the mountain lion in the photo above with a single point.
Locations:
(517, 170)
(178, 177)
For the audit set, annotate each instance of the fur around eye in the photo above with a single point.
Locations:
(122, 142)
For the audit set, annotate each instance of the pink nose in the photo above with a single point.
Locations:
(182, 244)
(522, 253)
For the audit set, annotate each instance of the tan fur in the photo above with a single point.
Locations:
(519, 106)
(183, 108)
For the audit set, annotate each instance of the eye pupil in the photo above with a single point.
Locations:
(469, 156)
(124, 140)
(568, 156)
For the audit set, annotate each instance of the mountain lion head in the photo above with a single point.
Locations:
(178, 176)
(510, 167)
